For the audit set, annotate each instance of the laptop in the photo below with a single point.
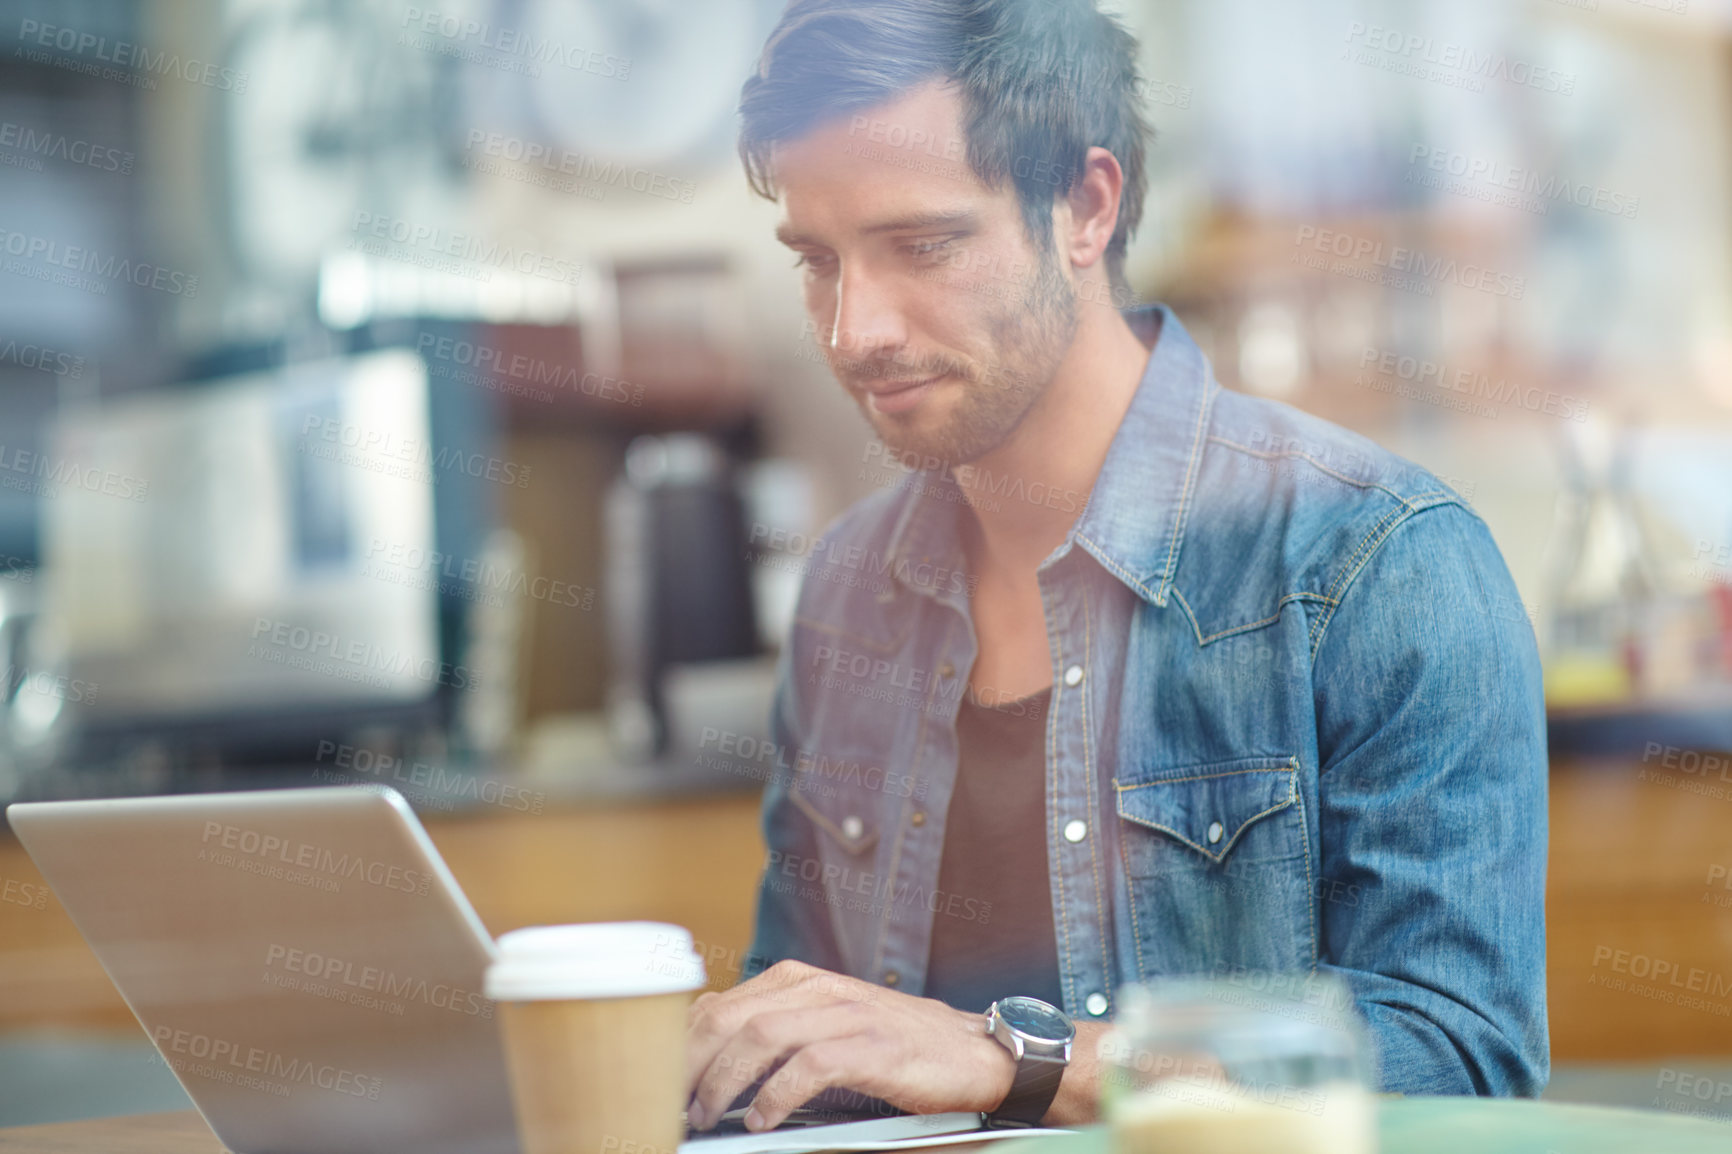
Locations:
(309, 970)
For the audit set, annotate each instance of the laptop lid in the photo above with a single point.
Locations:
(302, 959)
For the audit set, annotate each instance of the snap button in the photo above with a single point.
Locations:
(918, 817)
(945, 669)
(1076, 829)
(1073, 676)
(1096, 1003)
(891, 977)
(852, 827)
(1215, 832)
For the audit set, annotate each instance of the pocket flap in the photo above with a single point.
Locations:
(1208, 806)
(842, 814)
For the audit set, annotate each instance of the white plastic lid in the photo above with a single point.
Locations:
(603, 960)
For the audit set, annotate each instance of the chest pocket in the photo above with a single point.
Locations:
(852, 808)
(1212, 811)
(846, 815)
(1214, 858)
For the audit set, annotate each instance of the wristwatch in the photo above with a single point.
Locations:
(1039, 1037)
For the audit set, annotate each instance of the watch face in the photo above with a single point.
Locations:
(1035, 1018)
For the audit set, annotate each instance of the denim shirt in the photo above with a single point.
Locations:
(1296, 725)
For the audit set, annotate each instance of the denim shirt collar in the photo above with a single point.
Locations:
(1134, 521)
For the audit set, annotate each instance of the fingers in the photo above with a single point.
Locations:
(706, 996)
(714, 1019)
(800, 1031)
(847, 1062)
(762, 1041)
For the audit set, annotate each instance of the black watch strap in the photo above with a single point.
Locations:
(1031, 1093)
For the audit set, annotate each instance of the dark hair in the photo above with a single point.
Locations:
(1042, 81)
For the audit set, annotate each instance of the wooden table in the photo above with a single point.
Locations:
(1405, 1126)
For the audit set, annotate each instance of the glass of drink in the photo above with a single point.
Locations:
(1251, 1063)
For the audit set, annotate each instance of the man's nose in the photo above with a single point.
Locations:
(868, 323)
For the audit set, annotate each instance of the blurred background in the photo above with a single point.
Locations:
(417, 395)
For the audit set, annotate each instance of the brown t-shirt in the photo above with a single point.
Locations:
(992, 932)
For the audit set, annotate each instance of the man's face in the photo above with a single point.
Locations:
(935, 310)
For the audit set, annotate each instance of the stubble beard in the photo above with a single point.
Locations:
(1028, 339)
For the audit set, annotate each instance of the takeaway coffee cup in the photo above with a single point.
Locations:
(594, 1024)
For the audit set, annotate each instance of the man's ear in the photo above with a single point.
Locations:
(1094, 208)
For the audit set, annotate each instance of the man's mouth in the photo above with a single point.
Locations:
(900, 396)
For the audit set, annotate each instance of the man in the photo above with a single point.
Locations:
(1159, 679)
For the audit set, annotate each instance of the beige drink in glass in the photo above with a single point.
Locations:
(1249, 1064)
(594, 1024)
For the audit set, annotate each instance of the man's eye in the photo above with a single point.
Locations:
(926, 248)
(813, 262)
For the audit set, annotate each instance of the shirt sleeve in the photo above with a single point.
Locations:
(788, 926)
(1432, 811)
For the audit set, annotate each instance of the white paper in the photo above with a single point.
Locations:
(906, 1132)
(944, 1140)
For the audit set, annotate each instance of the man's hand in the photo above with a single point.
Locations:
(827, 1030)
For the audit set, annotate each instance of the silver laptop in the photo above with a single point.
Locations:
(302, 959)
(309, 970)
